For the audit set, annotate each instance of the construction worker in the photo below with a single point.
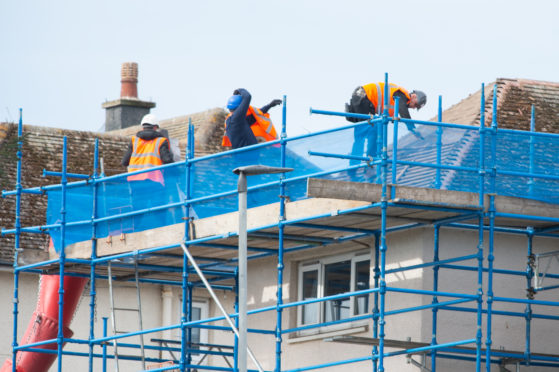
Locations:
(369, 100)
(147, 149)
(247, 125)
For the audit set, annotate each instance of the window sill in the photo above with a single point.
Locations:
(325, 332)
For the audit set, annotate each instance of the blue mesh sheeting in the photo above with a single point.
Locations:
(461, 147)
(208, 176)
(212, 176)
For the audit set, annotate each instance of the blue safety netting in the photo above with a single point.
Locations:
(517, 156)
(213, 185)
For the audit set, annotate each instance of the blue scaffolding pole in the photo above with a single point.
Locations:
(93, 278)
(281, 227)
(17, 235)
(186, 315)
(383, 247)
(491, 215)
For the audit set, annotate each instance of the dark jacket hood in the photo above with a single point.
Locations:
(148, 134)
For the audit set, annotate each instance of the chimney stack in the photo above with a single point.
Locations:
(129, 80)
(128, 110)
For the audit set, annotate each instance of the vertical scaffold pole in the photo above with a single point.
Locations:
(435, 300)
(243, 267)
(17, 235)
(279, 302)
(395, 147)
(92, 284)
(384, 206)
(105, 320)
(439, 144)
(480, 228)
(376, 302)
(189, 330)
(490, 256)
(62, 258)
(532, 146)
(236, 344)
(191, 143)
(186, 305)
(528, 310)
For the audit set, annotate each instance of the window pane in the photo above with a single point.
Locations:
(196, 313)
(310, 291)
(337, 278)
(362, 282)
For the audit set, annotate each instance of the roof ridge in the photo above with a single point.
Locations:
(45, 129)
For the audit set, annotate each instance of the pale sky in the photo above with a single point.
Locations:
(61, 59)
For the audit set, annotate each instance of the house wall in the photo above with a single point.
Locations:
(507, 332)
(124, 296)
(305, 350)
(404, 248)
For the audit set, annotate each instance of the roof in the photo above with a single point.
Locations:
(42, 149)
(515, 98)
(208, 130)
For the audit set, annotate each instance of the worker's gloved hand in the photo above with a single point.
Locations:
(276, 102)
(236, 92)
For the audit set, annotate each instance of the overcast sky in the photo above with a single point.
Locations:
(61, 59)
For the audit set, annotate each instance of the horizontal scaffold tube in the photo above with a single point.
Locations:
(430, 347)
(332, 364)
(500, 312)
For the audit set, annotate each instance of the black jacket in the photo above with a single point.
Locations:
(237, 128)
(148, 135)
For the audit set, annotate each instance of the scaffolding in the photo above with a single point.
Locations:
(387, 173)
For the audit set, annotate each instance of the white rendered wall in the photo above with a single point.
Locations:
(507, 332)
(28, 290)
(404, 248)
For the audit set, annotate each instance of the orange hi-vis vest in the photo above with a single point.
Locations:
(263, 129)
(375, 94)
(145, 154)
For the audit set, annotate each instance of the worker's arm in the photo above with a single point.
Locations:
(241, 111)
(237, 128)
(274, 103)
(404, 112)
(126, 158)
(165, 152)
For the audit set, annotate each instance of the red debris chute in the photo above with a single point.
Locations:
(44, 322)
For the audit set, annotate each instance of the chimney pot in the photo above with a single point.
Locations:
(128, 110)
(129, 80)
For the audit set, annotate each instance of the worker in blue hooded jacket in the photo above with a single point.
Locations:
(237, 127)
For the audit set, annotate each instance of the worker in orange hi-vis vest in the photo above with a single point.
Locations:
(256, 119)
(369, 100)
(147, 149)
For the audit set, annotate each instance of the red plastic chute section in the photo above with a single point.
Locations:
(44, 322)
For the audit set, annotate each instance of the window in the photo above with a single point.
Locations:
(199, 335)
(331, 276)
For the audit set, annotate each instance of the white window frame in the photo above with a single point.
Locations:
(319, 265)
(204, 306)
(315, 266)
